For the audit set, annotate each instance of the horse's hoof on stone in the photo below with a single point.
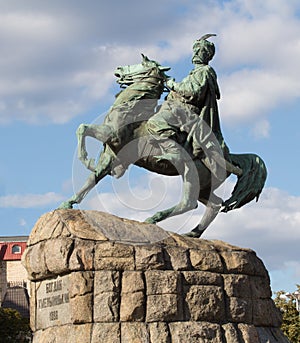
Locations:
(193, 234)
(66, 205)
(150, 221)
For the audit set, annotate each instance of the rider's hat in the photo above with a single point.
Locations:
(203, 49)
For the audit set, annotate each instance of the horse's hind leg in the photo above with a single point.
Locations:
(103, 169)
(213, 206)
(190, 195)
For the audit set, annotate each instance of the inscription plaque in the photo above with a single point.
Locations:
(53, 302)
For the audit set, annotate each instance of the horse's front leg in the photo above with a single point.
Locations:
(99, 132)
(78, 197)
(81, 133)
(103, 169)
(188, 202)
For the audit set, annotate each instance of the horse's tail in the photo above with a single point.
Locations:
(250, 184)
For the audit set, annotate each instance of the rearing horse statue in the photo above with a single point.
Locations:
(126, 138)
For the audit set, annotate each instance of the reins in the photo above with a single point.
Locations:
(141, 77)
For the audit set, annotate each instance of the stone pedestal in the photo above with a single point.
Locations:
(98, 278)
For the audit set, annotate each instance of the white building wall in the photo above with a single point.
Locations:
(15, 271)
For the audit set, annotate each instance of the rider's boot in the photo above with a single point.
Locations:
(213, 159)
(220, 159)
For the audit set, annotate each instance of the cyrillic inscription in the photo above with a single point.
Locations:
(53, 302)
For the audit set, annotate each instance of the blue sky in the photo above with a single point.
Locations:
(56, 63)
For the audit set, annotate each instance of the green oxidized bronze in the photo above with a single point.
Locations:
(180, 137)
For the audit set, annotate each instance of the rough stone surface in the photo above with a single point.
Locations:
(99, 278)
(204, 303)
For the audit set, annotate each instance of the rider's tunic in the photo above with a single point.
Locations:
(191, 107)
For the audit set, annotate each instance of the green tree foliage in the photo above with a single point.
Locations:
(290, 316)
(13, 327)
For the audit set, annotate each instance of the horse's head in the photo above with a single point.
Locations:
(131, 73)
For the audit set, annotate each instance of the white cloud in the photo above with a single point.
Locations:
(57, 60)
(137, 198)
(29, 200)
(28, 24)
(261, 129)
(252, 93)
(270, 227)
(23, 222)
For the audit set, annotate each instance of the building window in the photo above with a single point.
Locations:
(16, 249)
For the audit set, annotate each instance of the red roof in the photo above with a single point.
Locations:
(10, 251)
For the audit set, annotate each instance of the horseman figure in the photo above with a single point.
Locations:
(181, 137)
(189, 117)
(190, 101)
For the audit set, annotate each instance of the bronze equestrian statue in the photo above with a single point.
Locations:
(180, 137)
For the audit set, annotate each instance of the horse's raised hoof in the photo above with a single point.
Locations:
(66, 205)
(118, 171)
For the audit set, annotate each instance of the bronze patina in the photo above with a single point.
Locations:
(182, 136)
